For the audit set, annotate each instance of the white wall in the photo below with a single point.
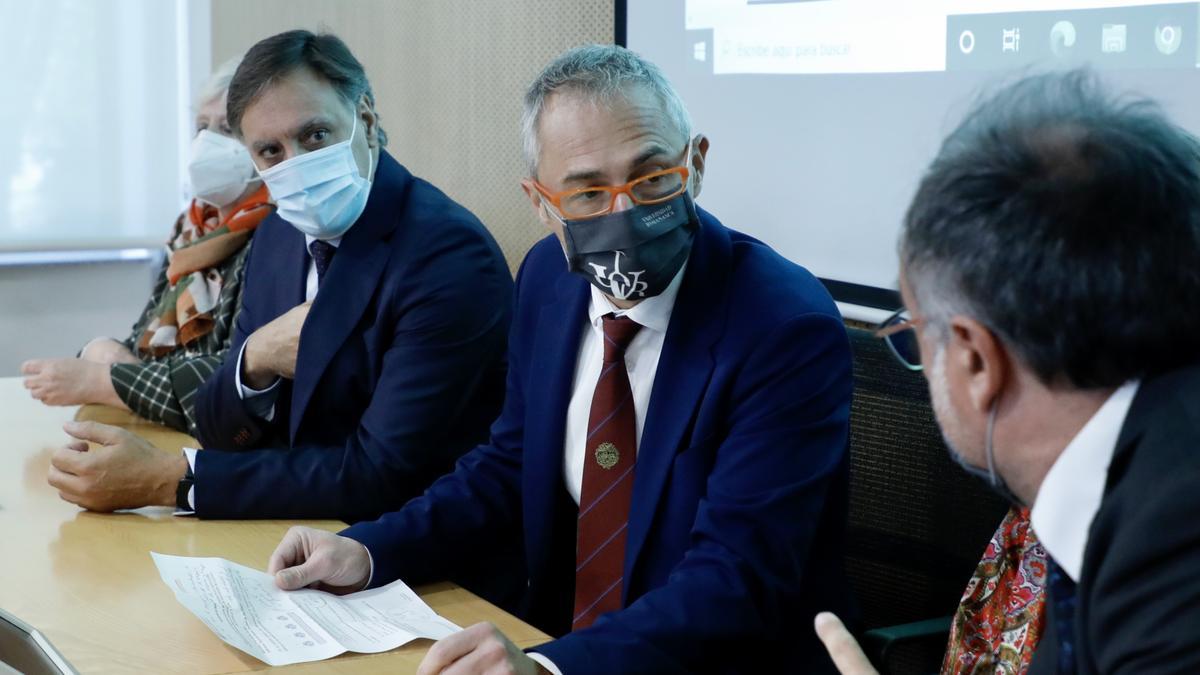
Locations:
(52, 310)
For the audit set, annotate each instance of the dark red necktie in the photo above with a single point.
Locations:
(609, 456)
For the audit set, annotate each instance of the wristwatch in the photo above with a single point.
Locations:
(185, 486)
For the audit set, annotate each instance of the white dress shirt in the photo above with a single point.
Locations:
(641, 361)
(261, 402)
(1072, 491)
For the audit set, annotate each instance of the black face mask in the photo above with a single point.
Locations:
(633, 254)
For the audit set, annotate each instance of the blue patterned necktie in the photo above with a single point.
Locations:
(1062, 594)
(322, 255)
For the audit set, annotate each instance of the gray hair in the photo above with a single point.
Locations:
(1066, 219)
(939, 296)
(599, 72)
(217, 83)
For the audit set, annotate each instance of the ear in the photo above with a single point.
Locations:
(699, 153)
(370, 121)
(980, 359)
(539, 207)
(535, 197)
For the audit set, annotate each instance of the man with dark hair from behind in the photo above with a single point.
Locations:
(346, 401)
(1050, 262)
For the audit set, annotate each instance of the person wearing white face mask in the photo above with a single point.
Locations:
(185, 330)
(369, 353)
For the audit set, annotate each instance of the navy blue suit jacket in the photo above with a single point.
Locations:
(738, 508)
(400, 367)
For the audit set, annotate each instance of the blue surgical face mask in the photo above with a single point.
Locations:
(321, 193)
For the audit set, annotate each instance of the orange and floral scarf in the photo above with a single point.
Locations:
(1002, 613)
(201, 242)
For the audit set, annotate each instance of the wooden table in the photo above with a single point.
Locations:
(86, 580)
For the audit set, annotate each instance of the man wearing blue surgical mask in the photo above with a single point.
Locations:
(672, 450)
(370, 344)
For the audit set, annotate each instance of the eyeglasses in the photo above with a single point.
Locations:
(599, 200)
(900, 334)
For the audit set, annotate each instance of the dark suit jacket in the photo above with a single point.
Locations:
(735, 529)
(400, 369)
(1138, 594)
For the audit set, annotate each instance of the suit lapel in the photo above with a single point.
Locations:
(551, 373)
(684, 369)
(352, 278)
(293, 266)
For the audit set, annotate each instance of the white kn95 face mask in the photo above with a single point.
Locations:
(219, 168)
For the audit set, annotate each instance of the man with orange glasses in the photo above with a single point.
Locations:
(672, 447)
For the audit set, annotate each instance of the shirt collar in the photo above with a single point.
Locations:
(653, 313)
(1072, 491)
(309, 239)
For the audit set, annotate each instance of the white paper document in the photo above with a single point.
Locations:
(245, 609)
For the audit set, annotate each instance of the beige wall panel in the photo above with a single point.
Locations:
(449, 76)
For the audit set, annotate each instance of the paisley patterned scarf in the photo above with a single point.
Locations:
(1002, 613)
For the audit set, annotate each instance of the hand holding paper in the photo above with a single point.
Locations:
(244, 608)
(321, 560)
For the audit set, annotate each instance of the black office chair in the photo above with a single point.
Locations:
(918, 524)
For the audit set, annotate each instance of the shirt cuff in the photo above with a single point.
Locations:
(260, 401)
(544, 662)
(371, 573)
(190, 455)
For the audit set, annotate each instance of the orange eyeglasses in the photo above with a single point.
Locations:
(599, 200)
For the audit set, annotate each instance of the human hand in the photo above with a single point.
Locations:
(847, 656)
(68, 381)
(482, 648)
(107, 351)
(271, 350)
(312, 558)
(123, 471)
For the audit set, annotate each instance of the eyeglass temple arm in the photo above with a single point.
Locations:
(894, 328)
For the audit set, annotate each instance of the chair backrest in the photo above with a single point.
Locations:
(918, 524)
